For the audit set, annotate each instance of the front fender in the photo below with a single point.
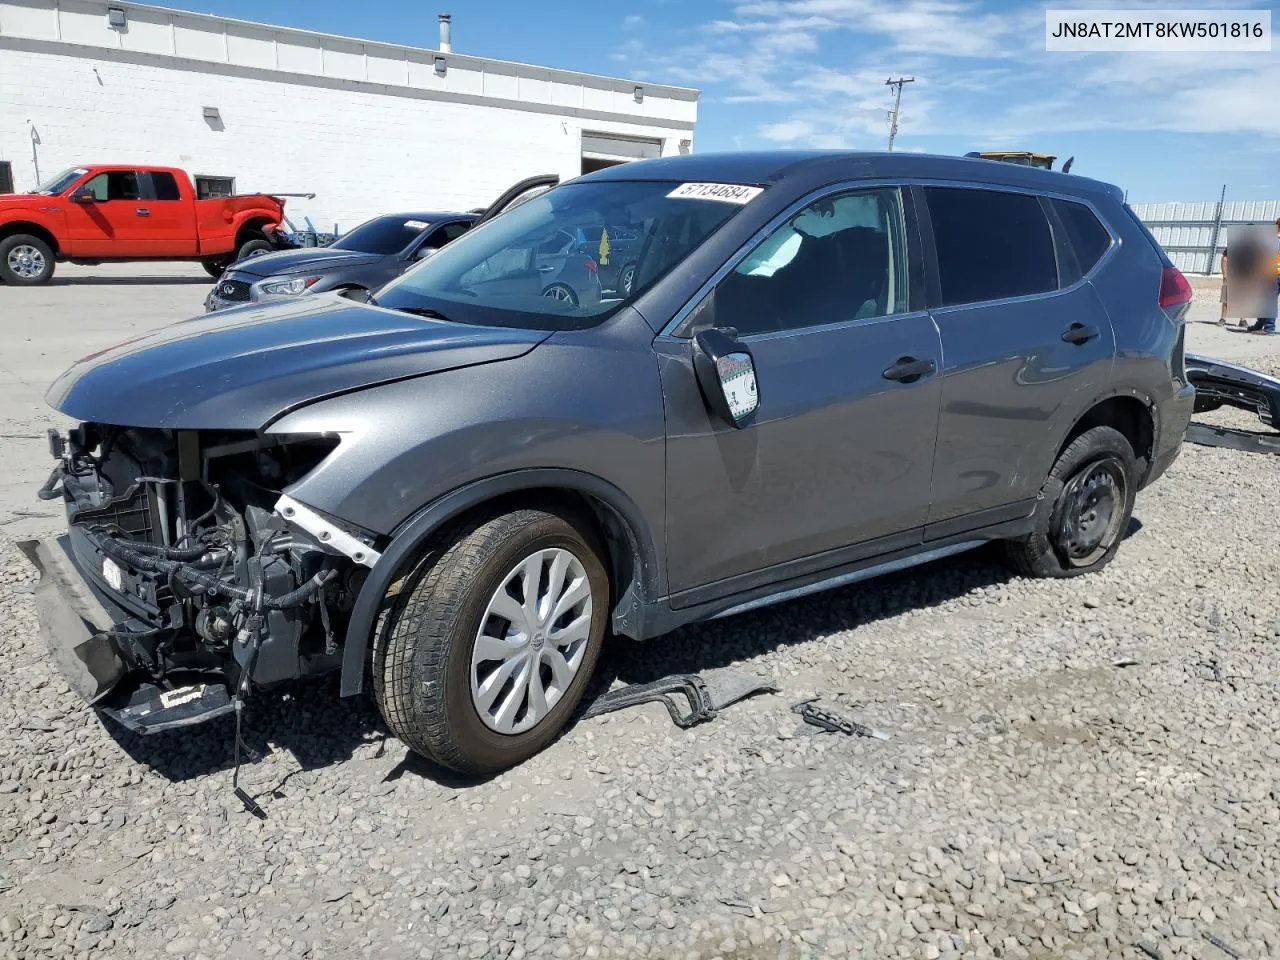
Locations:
(415, 533)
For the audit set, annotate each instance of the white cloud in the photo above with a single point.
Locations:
(789, 131)
(632, 21)
(815, 71)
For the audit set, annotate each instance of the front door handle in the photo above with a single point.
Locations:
(143, 212)
(1078, 333)
(909, 370)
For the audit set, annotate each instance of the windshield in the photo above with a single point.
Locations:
(60, 182)
(382, 235)
(568, 258)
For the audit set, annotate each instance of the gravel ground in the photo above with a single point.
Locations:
(1035, 797)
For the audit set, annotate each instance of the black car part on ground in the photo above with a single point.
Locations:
(1219, 384)
(815, 716)
(1207, 436)
(708, 693)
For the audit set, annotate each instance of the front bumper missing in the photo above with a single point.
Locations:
(77, 626)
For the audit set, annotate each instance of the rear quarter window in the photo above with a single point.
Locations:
(991, 245)
(1085, 232)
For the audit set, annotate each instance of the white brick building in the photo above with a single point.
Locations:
(369, 127)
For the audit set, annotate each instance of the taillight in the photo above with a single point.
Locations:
(592, 266)
(1174, 289)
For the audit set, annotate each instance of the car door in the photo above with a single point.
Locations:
(110, 226)
(835, 466)
(1024, 345)
(168, 221)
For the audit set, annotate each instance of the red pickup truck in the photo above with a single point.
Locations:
(97, 213)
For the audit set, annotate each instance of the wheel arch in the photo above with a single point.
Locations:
(633, 561)
(252, 224)
(33, 229)
(1132, 413)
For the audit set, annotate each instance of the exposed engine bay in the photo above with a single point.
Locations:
(218, 582)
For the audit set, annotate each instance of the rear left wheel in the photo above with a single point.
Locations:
(492, 641)
(1087, 503)
(254, 247)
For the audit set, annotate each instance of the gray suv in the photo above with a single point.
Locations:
(827, 366)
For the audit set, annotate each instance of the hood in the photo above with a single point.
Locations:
(240, 369)
(21, 201)
(302, 260)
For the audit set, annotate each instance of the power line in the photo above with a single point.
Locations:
(897, 104)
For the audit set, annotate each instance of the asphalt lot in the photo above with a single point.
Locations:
(1086, 768)
(45, 329)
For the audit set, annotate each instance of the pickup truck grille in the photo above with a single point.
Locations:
(235, 290)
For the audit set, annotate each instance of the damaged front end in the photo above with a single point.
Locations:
(187, 577)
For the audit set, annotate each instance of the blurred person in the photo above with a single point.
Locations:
(1267, 324)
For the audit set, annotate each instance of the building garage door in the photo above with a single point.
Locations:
(601, 150)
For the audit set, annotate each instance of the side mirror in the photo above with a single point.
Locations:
(726, 373)
(83, 195)
(422, 253)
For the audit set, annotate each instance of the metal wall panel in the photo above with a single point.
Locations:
(1187, 230)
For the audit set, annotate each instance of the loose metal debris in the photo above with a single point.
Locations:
(834, 723)
(707, 694)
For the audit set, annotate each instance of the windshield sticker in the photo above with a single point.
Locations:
(416, 224)
(723, 192)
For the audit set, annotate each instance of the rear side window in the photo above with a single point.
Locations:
(165, 186)
(991, 245)
(1088, 237)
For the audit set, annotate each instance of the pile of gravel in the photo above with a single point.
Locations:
(1086, 768)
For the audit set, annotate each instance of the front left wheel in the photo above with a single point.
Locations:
(491, 642)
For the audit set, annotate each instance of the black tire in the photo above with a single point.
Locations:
(214, 268)
(25, 261)
(422, 661)
(562, 292)
(1096, 475)
(626, 279)
(254, 247)
(358, 294)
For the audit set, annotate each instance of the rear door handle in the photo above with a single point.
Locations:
(143, 212)
(1078, 333)
(909, 370)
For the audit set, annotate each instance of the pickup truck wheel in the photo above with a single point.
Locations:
(214, 268)
(1086, 507)
(25, 261)
(491, 642)
(253, 248)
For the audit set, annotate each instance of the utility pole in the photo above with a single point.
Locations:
(897, 103)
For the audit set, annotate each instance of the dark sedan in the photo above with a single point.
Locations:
(371, 255)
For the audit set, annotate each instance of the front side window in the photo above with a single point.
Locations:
(841, 258)
(538, 266)
(116, 185)
(991, 245)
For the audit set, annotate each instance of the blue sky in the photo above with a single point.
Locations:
(798, 73)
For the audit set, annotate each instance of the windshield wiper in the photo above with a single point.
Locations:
(426, 312)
